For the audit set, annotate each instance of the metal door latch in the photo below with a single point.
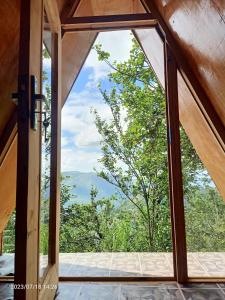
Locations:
(34, 98)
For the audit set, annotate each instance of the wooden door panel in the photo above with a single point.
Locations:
(28, 164)
(28, 177)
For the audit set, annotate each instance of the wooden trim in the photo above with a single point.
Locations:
(127, 279)
(112, 22)
(113, 279)
(175, 170)
(171, 200)
(50, 280)
(6, 278)
(8, 136)
(52, 12)
(1, 243)
(50, 276)
(105, 28)
(55, 150)
(189, 77)
(206, 280)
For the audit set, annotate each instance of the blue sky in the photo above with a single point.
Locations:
(80, 139)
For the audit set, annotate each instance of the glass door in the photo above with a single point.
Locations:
(37, 203)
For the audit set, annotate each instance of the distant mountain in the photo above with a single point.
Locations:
(83, 183)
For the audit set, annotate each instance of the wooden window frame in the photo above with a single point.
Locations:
(174, 156)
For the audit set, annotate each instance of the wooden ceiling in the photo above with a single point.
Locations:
(197, 28)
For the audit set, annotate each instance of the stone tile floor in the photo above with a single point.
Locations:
(210, 264)
(130, 291)
(139, 291)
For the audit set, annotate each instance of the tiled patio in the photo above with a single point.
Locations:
(202, 264)
(210, 264)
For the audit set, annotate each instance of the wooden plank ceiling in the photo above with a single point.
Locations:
(201, 42)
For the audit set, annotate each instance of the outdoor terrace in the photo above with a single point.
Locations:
(201, 264)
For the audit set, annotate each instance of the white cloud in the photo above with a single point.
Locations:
(117, 43)
(88, 137)
(77, 116)
(80, 160)
(80, 138)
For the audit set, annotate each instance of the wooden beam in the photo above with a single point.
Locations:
(52, 12)
(55, 149)
(1, 243)
(189, 77)
(115, 278)
(175, 171)
(109, 22)
(69, 9)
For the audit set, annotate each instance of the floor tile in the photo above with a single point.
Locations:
(212, 262)
(203, 294)
(149, 293)
(6, 264)
(222, 285)
(68, 291)
(202, 264)
(99, 292)
(155, 264)
(6, 291)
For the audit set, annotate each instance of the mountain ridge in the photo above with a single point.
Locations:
(82, 182)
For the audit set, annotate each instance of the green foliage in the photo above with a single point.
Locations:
(9, 235)
(44, 234)
(205, 223)
(134, 143)
(134, 159)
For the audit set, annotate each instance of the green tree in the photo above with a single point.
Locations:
(205, 223)
(134, 143)
(84, 226)
(9, 235)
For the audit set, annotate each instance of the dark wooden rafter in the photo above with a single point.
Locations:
(111, 22)
(189, 77)
(175, 169)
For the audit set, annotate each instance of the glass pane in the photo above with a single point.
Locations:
(204, 210)
(8, 247)
(45, 160)
(115, 217)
